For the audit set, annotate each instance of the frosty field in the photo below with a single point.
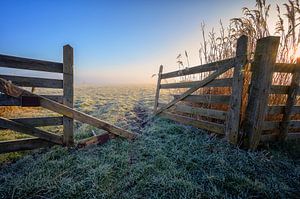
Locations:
(167, 160)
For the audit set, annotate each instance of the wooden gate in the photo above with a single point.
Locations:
(217, 121)
(27, 125)
(262, 119)
(268, 119)
(12, 94)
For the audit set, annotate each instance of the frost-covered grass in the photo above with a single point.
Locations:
(167, 160)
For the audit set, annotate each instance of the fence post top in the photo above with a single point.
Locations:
(242, 37)
(275, 38)
(161, 68)
(68, 46)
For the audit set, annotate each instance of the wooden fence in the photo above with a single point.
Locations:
(12, 94)
(253, 127)
(24, 124)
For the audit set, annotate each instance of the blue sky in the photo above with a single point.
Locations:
(115, 42)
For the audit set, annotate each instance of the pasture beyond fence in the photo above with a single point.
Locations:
(214, 102)
(12, 94)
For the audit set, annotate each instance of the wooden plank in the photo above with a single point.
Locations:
(207, 99)
(158, 88)
(39, 122)
(212, 113)
(275, 125)
(286, 68)
(98, 139)
(261, 80)
(274, 137)
(23, 144)
(194, 88)
(290, 102)
(9, 101)
(226, 82)
(14, 91)
(33, 81)
(199, 69)
(273, 110)
(27, 129)
(30, 64)
(213, 127)
(280, 89)
(68, 94)
(27, 101)
(56, 98)
(234, 113)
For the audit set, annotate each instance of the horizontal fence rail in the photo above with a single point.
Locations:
(11, 101)
(217, 114)
(39, 122)
(226, 82)
(279, 89)
(280, 110)
(30, 64)
(273, 125)
(286, 68)
(23, 144)
(207, 99)
(33, 81)
(199, 69)
(213, 127)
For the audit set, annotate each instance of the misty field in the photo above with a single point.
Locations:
(167, 160)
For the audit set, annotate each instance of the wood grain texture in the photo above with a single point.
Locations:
(68, 96)
(27, 129)
(274, 137)
(30, 64)
(98, 139)
(213, 127)
(158, 86)
(207, 99)
(33, 81)
(226, 82)
(23, 144)
(11, 101)
(275, 125)
(40, 121)
(199, 69)
(274, 110)
(286, 68)
(234, 113)
(212, 113)
(280, 89)
(263, 66)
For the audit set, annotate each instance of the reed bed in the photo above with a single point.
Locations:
(221, 44)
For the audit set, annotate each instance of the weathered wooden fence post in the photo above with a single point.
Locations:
(290, 103)
(68, 93)
(261, 80)
(158, 88)
(233, 116)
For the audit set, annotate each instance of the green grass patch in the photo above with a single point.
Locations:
(167, 161)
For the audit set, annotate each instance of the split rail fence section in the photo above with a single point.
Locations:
(28, 125)
(221, 114)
